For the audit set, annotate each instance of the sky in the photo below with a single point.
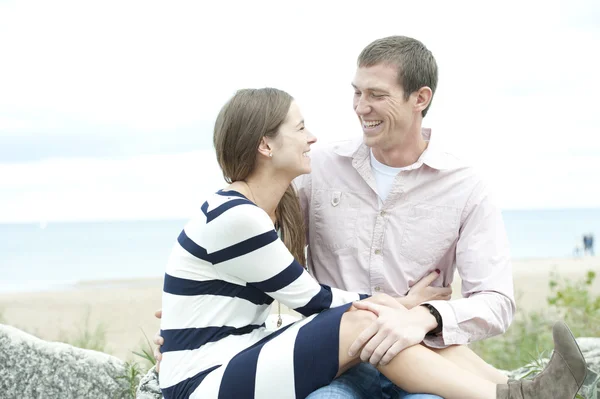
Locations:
(107, 107)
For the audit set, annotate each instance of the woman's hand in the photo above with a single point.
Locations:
(385, 300)
(423, 292)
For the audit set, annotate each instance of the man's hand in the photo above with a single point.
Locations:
(422, 291)
(158, 340)
(394, 330)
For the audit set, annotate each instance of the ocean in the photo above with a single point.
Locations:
(57, 255)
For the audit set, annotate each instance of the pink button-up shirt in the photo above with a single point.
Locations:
(439, 214)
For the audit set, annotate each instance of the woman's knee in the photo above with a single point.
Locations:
(358, 320)
(352, 325)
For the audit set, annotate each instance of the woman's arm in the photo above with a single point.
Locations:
(419, 293)
(423, 291)
(261, 260)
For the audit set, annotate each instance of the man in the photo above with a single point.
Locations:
(384, 212)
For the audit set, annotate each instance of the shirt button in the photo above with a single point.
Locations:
(377, 288)
(377, 251)
(382, 213)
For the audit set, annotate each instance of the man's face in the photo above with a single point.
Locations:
(386, 117)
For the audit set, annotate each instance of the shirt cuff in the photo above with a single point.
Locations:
(451, 334)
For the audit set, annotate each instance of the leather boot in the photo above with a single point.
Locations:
(562, 377)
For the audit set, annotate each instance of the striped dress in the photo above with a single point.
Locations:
(225, 270)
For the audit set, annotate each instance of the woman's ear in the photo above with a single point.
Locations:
(264, 147)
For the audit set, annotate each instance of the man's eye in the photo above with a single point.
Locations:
(357, 93)
(376, 95)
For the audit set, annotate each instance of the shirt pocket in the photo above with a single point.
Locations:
(428, 233)
(335, 216)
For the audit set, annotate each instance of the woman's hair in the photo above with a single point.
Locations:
(244, 120)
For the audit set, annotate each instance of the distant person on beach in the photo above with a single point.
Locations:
(245, 248)
(578, 249)
(384, 212)
(588, 244)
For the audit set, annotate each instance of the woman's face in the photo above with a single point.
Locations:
(290, 148)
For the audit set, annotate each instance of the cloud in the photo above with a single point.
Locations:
(36, 141)
(140, 187)
(120, 81)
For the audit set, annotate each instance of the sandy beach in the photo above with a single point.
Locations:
(125, 308)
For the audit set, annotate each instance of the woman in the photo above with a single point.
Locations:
(229, 265)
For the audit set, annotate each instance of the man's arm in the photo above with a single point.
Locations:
(483, 263)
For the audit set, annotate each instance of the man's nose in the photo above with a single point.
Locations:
(362, 107)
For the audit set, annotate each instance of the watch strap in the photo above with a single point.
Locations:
(438, 318)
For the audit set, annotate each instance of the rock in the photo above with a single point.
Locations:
(148, 388)
(590, 347)
(33, 368)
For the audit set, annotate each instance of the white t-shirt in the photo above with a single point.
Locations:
(384, 177)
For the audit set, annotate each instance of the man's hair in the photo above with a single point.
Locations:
(416, 65)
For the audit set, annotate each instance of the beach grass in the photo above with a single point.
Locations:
(527, 339)
(145, 352)
(88, 337)
(132, 374)
(134, 370)
(530, 336)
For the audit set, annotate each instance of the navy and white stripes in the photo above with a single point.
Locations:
(225, 270)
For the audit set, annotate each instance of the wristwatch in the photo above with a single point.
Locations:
(438, 319)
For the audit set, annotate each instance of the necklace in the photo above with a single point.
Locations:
(279, 319)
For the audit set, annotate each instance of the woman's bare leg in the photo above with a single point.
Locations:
(415, 369)
(465, 358)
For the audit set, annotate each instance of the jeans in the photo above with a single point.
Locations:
(365, 382)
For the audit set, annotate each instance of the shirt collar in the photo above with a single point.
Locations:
(432, 156)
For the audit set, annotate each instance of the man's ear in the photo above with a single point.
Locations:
(264, 148)
(422, 98)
